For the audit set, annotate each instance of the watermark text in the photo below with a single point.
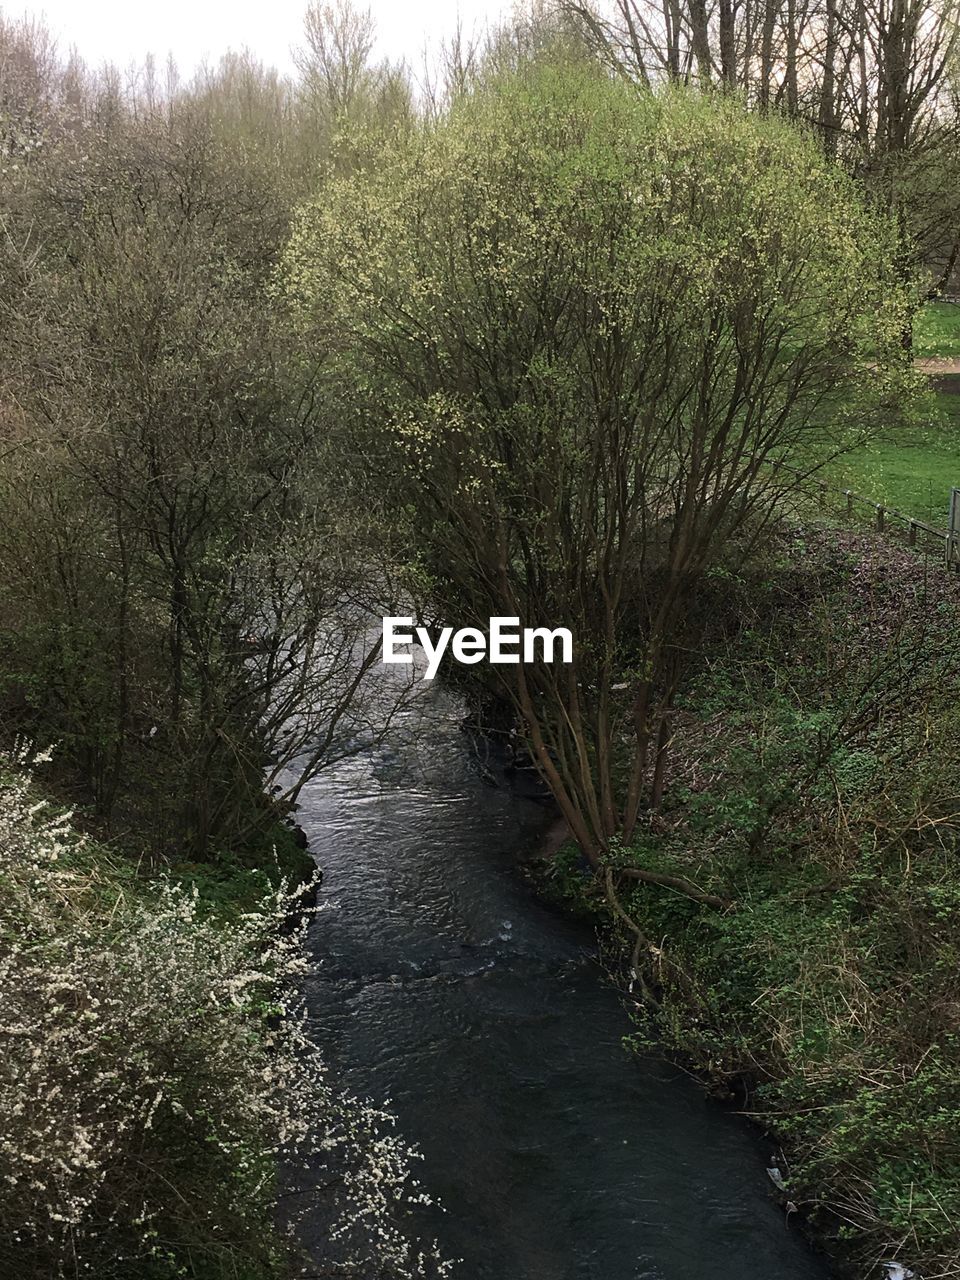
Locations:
(504, 643)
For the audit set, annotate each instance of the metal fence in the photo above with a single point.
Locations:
(851, 506)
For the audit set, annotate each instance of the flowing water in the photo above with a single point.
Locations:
(442, 984)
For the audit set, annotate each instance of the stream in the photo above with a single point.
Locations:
(440, 982)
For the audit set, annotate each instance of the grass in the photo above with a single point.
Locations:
(913, 469)
(936, 331)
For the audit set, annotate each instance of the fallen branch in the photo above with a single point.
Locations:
(682, 885)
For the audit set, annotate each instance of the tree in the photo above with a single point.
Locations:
(341, 87)
(571, 327)
(873, 69)
(872, 76)
(176, 600)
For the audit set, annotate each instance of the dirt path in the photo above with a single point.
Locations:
(938, 365)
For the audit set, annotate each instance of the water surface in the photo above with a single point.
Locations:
(442, 984)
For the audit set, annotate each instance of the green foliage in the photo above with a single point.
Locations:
(566, 880)
(232, 883)
(824, 807)
(572, 323)
(561, 186)
(169, 541)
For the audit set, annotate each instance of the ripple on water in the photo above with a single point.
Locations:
(440, 983)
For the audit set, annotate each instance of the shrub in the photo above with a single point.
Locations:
(153, 1067)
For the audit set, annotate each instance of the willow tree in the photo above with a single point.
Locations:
(570, 328)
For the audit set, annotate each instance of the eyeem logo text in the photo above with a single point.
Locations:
(506, 643)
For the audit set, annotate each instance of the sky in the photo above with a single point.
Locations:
(123, 31)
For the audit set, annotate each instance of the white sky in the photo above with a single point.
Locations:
(123, 31)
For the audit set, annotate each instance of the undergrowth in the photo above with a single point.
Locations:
(157, 1077)
(816, 786)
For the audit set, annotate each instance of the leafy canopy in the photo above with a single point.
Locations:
(568, 326)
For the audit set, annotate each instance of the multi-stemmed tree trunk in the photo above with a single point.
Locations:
(572, 326)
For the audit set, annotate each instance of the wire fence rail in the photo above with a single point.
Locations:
(852, 506)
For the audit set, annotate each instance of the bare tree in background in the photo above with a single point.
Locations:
(872, 67)
(874, 77)
(334, 61)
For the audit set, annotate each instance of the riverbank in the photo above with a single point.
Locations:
(160, 1091)
(815, 759)
(234, 883)
(151, 1063)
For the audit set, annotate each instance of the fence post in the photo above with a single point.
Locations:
(849, 493)
(881, 511)
(913, 533)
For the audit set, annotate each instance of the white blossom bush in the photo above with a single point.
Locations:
(155, 1072)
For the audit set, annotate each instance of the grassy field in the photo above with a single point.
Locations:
(937, 330)
(913, 471)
